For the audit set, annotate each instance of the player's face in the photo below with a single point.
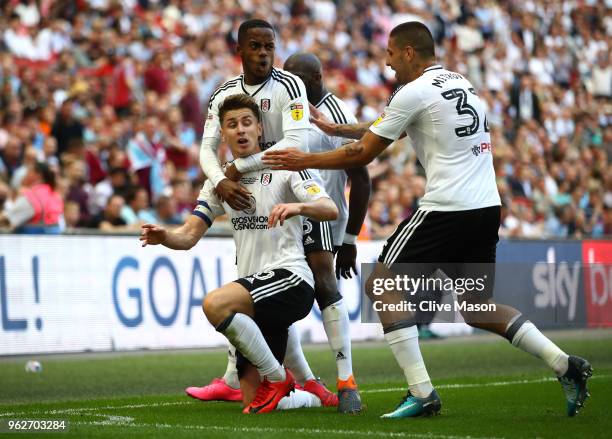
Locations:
(257, 52)
(241, 131)
(398, 60)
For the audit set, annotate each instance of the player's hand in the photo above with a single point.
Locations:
(346, 260)
(321, 121)
(232, 173)
(233, 194)
(152, 234)
(282, 212)
(290, 159)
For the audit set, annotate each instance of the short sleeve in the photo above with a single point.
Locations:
(294, 103)
(307, 186)
(404, 106)
(212, 126)
(209, 206)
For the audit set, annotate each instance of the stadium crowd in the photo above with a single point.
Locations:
(111, 96)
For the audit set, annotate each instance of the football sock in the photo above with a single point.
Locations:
(231, 373)
(336, 324)
(294, 358)
(404, 344)
(246, 336)
(529, 339)
(298, 399)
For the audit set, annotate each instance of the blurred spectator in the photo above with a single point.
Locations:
(125, 84)
(165, 211)
(66, 129)
(147, 155)
(39, 209)
(135, 210)
(109, 219)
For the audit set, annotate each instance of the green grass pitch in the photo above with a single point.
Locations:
(488, 389)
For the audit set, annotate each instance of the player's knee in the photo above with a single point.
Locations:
(214, 307)
(326, 292)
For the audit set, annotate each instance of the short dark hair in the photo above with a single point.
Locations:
(252, 24)
(238, 102)
(416, 35)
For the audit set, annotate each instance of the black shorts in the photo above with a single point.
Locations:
(459, 243)
(281, 298)
(317, 236)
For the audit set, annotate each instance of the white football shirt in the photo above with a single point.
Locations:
(334, 181)
(259, 248)
(281, 99)
(446, 123)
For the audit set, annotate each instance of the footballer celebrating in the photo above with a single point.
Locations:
(283, 105)
(275, 288)
(458, 218)
(345, 229)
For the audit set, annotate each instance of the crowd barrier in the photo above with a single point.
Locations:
(107, 293)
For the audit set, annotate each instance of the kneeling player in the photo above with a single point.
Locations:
(276, 285)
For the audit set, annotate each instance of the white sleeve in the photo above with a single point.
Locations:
(293, 139)
(209, 206)
(210, 142)
(20, 212)
(209, 160)
(401, 110)
(307, 186)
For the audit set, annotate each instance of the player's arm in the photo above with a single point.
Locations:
(390, 126)
(236, 195)
(358, 153)
(186, 236)
(349, 131)
(295, 116)
(322, 209)
(312, 200)
(359, 196)
(181, 238)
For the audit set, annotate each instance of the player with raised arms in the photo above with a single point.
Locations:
(458, 218)
(275, 288)
(283, 105)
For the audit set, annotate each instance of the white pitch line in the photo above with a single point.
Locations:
(472, 385)
(79, 410)
(310, 431)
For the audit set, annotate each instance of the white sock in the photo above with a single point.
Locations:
(404, 344)
(298, 399)
(294, 358)
(336, 324)
(244, 333)
(231, 373)
(529, 339)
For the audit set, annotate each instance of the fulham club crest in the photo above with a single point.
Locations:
(265, 105)
(266, 179)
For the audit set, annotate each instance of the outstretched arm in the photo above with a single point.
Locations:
(292, 139)
(181, 238)
(352, 155)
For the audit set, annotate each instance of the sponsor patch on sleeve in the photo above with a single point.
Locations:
(297, 111)
(379, 120)
(312, 188)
